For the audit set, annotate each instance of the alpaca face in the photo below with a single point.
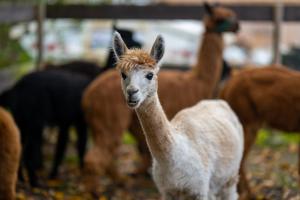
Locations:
(219, 19)
(138, 84)
(138, 70)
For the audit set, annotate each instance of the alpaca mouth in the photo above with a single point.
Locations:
(132, 103)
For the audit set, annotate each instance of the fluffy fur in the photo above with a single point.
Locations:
(10, 150)
(138, 57)
(204, 156)
(109, 117)
(197, 154)
(267, 96)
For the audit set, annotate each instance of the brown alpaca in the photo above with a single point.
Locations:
(267, 96)
(10, 149)
(108, 115)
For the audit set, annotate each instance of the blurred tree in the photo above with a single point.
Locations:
(18, 1)
(11, 50)
(79, 1)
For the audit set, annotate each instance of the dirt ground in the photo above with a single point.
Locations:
(272, 171)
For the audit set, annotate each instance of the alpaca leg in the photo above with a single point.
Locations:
(31, 141)
(31, 138)
(98, 159)
(20, 172)
(112, 167)
(63, 137)
(27, 156)
(229, 193)
(81, 141)
(97, 162)
(243, 186)
(106, 130)
(136, 129)
(23, 137)
(40, 160)
(113, 148)
(31, 156)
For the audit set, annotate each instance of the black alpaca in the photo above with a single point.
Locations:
(47, 98)
(88, 69)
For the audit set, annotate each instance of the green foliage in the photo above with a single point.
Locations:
(128, 138)
(274, 138)
(11, 51)
(21, 69)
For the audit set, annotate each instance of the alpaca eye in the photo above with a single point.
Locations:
(149, 76)
(123, 76)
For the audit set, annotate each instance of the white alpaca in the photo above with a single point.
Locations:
(196, 155)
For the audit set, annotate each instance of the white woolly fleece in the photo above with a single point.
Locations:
(205, 156)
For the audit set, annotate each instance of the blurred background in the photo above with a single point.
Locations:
(33, 33)
(67, 37)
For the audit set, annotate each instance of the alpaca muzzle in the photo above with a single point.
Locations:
(132, 100)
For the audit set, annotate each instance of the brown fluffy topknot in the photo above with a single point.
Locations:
(135, 59)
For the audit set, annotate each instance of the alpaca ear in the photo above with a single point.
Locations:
(208, 8)
(158, 48)
(118, 45)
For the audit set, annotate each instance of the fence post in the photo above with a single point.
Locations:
(278, 16)
(41, 13)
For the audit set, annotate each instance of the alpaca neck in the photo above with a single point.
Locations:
(156, 127)
(209, 62)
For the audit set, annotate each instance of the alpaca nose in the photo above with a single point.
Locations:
(132, 91)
